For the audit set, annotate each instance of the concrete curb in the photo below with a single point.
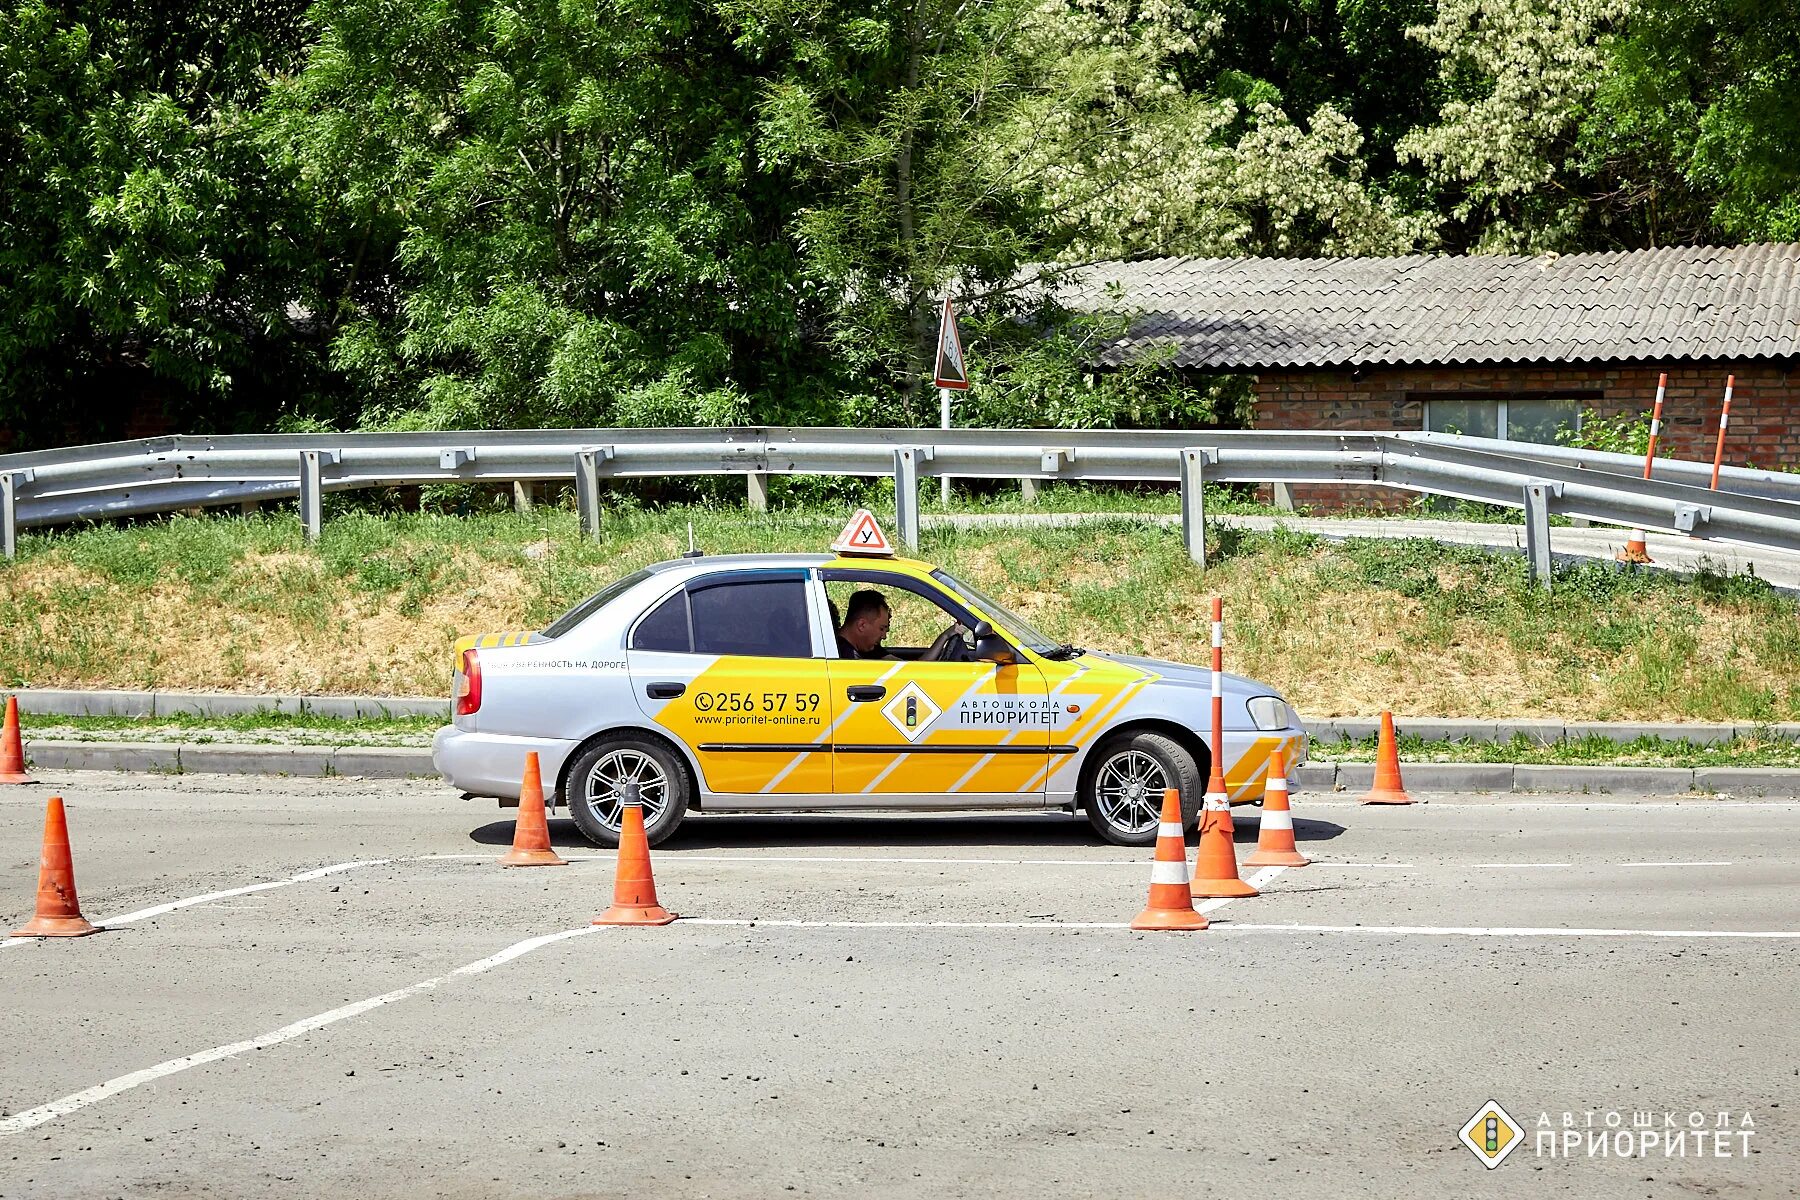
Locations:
(401, 762)
(57, 702)
(66, 703)
(366, 762)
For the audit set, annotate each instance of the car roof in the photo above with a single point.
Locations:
(714, 562)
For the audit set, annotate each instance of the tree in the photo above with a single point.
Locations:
(151, 256)
(1698, 100)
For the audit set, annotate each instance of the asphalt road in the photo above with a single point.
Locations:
(413, 1027)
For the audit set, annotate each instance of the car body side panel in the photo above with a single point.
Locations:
(754, 725)
(940, 728)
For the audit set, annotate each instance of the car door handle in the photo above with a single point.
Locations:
(865, 691)
(664, 691)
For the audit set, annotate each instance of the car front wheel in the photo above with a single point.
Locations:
(597, 781)
(1124, 790)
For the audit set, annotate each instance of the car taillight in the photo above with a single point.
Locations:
(468, 684)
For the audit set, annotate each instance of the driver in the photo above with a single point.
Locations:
(866, 621)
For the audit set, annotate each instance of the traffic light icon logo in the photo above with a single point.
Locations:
(911, 712)
(1491, 1134)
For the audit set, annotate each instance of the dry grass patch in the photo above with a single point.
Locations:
(1342, 629)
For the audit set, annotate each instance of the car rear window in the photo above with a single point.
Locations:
(666, 627)
(765, 618)
(593, 604)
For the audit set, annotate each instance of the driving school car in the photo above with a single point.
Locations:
(715, 683)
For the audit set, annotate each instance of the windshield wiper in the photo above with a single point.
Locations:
(1064, 651)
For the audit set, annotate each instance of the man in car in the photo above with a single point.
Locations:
(866, 621)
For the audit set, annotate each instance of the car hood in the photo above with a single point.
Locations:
(1187, 675)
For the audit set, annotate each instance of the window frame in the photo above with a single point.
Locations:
(931, 591)
(1580, 397)
(717, 579)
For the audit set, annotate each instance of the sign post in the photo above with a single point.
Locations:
(952, 375)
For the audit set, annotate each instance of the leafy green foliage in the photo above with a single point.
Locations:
(432, 213)
(149, 251)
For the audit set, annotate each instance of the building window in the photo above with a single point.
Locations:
(1517, 417)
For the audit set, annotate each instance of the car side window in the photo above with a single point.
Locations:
(666, 627)
(764, 618)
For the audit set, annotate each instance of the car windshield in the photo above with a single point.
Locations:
(592, 605)
(1016, 627)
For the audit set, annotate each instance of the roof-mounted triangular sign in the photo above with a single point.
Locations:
(863, 536)
(951, 370)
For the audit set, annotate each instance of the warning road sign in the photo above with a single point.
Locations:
(951, 372)
(863, 536)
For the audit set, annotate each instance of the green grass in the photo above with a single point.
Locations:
(244, 604)
(261, 728)
(1765, 748)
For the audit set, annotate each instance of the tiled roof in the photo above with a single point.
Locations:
(1683, 302)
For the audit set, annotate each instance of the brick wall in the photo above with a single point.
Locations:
(1765, 407)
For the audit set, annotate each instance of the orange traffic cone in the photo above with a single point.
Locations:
(1387, 787)
(1215, 863)
(1635, 550)
(1171, 905)
(634, 891)
(1275, 838)
(58, 911)
(12, 750)
(531, 831)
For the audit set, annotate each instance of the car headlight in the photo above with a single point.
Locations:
(1271, 712)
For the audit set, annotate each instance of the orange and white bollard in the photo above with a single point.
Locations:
(1636, 549)
(1724, 421)
(1215, 859)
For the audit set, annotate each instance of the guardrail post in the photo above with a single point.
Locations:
(1028, 490)
(9, 509)
(587, 491)
(1193, 504)
(759, 491)
(906, 496)
(1537, 532)
(312, 500)
(521, 496)
(1284, 497)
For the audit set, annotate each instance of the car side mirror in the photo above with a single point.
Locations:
(991, 647)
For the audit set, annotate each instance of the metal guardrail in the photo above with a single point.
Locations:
(1775, 485)
(172, 473)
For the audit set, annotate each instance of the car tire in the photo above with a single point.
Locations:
(1126, 817)
(598, 771)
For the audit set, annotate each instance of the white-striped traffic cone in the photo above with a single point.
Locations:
(1275, 838)
(1170, 907)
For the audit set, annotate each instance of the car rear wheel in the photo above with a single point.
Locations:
(1124, 790)
(596, 788)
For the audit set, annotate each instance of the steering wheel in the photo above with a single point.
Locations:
(951, 646)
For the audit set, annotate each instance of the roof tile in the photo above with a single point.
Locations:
(1223, 313)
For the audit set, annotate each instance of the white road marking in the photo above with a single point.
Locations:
(144, 914)
(1572, 802)
(785, 923)
(1500, 931)
(124, 1083)
(1256, 880)
(1235, 927)
(1676, 864)
(1510, 866)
